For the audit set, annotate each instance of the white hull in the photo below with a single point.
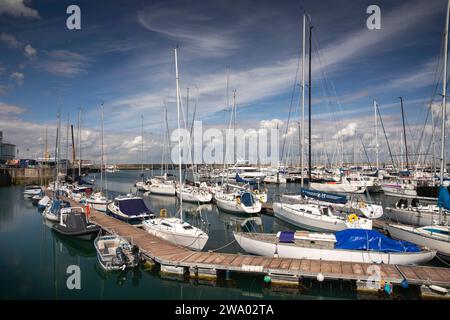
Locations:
(312, 222)
(195, 197)
(337, 187)
(263, 248)
(407, 233)
(234, 207)
(411, 217)
(195, 241)
(162, 190)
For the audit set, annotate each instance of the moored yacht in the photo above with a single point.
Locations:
(129, 208)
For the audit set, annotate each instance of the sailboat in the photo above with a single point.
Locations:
(99, 201)
(434, 236)
(176, 230)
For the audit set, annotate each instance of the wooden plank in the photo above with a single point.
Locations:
(285, 263)
(257, 261)
(229, 259)
(445, 274)
(315, 266)
(433, 275)
(247, 260)
(219, 259)
(409, 273)
(295, 265)
(202, 257)
(211, 258)
(275, 263)
(422, 274)
(238, 261)
(305, 265)
(325, 267)
(336, 267)
(358, 269)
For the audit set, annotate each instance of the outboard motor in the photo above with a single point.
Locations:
(121, 257)
(415, 202)
(135, 252)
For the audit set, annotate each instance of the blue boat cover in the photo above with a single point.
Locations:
(133, 207)
(286, 236)
(324, 196)
(444, 198)
(371, 240)
(239, 179)
(247, 199)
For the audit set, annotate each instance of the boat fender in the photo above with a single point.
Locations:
(352, 218)
(405, 284)
(320, 277)
(163, 212)
(439, 289)
(238, 200)
(267, 279)
(388, 288)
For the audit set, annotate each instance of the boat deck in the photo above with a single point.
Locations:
(167, 254)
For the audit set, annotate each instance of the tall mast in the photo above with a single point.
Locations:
(433, 140)
(142, 146)
(102, 162)
(376, 133)
(179, 137)
(302, 138)
(67, 144)
(309, 103)
(46, 146)
(79, 142)
(404, 134)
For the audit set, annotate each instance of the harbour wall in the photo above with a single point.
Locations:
(9, 176)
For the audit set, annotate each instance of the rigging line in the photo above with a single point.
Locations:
(291, 104)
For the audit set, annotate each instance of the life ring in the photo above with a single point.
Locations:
(163, 212)
(362, 204)
(238, 200)
(261, 199)
(352, 218)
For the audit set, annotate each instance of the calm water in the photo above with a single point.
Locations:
(34, 260)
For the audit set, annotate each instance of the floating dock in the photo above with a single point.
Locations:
(181, 261)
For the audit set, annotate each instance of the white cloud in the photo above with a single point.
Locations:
(10, 40)
(18, 77)
(8, 109)
(29, 51)
(17, 8)
(348, 131)
(65, 63)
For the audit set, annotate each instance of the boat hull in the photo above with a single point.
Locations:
(233, 207)
(263, 248)
(189, 241)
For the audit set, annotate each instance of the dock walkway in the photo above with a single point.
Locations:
(179, 260)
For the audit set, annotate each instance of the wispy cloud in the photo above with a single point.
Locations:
(18, 8)
(8, 109)
(64, 63)
(18, 77)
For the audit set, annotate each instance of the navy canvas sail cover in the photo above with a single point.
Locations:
(287, 236)
(247, 199)
(133, 207)
(324, 196)
(371, 240)
(444, 198)
(239, 179)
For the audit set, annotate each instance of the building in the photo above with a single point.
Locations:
(7, 150)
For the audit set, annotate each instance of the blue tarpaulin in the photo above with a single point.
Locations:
(239, 179)
(324, 196)
(444, 198)
(371, 240)
(286, 236)
(247, 199)
(133, 207)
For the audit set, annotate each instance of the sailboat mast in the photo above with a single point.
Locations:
(404, 133)
(179, 137)
(67, 144)
(309, 104)
(376, 133)
(79, 142)
(142, 146)
(102, 160)
(444, 98)
(302, 138)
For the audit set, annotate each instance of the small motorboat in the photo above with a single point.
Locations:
(129, 208)
(115, 253)
(43, 203)
(98, 202)
(73, 222)
(53, 209)
(351, 245)
(31, 191)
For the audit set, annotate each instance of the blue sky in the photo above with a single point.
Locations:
(123, 55)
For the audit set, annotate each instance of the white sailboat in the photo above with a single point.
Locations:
(318, 217)
(175, 230)
(433, 236)
(99, 201)
(323, 246)
(343, 186)
(238, 202)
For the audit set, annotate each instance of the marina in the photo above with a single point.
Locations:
(196, 161)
